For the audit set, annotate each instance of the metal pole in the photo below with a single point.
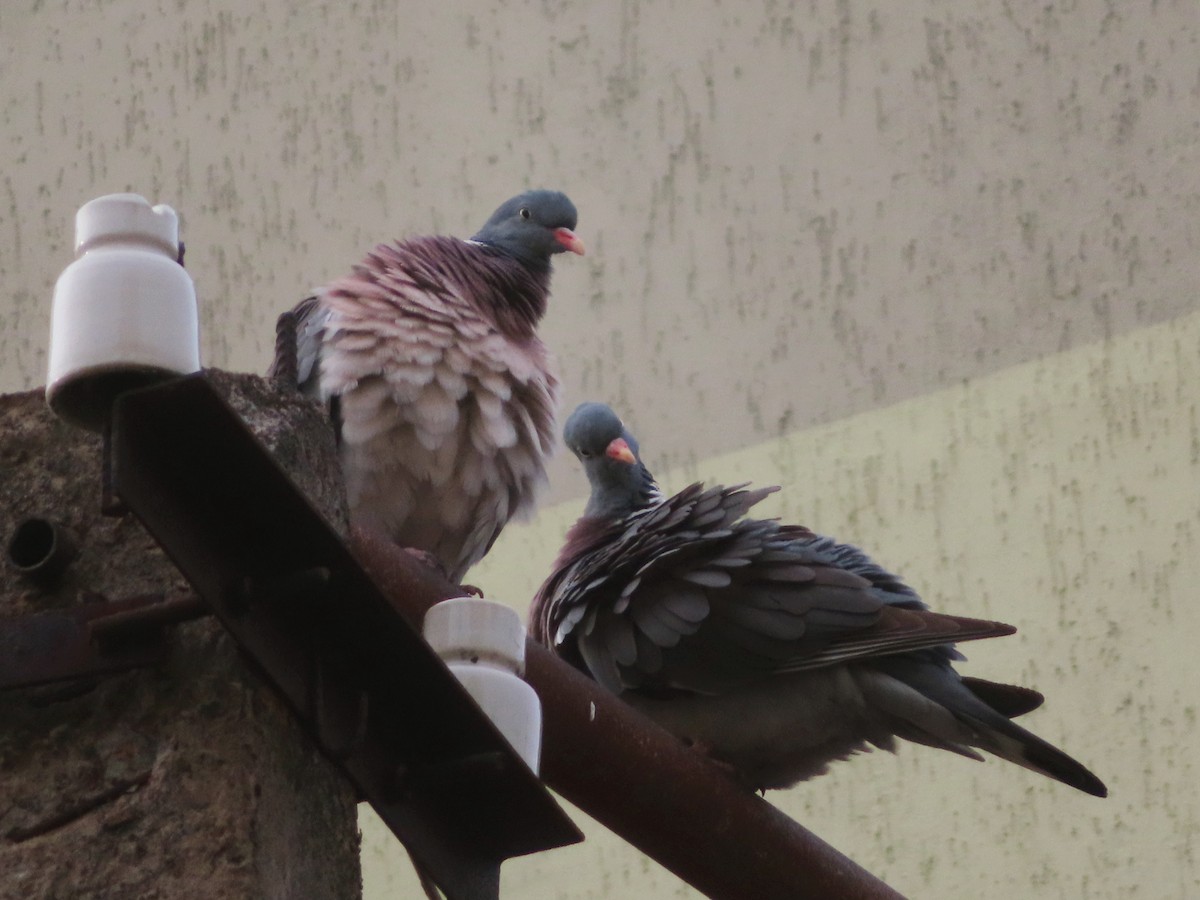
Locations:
(642, 783)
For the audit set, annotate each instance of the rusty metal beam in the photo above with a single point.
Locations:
(249, 544)
(642, 783)
(377, 699)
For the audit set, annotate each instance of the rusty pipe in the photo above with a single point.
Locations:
(642, 783)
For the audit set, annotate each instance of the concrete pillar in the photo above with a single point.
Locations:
(186, 780)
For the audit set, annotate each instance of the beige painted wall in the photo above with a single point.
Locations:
(807, 224)
(795, 210)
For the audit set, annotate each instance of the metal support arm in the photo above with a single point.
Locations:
(645, 785)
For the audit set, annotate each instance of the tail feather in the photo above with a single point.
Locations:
(1014, 743)
(983, 708)
(1010, 700)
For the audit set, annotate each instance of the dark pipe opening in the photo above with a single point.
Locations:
(40, 549)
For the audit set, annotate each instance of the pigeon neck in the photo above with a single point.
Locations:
(530, 259)
(521, 288)
(618, 500)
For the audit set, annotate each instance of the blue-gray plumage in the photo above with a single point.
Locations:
(774, 649)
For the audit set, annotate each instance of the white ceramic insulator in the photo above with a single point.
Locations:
(483, 644)
(124, 311)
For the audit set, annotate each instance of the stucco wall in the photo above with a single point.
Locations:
(807, 224)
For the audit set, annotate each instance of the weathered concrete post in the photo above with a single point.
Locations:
(186, 780)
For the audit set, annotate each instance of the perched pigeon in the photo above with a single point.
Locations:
(441, 390)
(773, 649)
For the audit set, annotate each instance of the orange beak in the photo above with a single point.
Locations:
(619, 450)
(566, 237)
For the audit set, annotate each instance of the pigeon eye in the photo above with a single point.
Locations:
(586, 454)
(524, 212)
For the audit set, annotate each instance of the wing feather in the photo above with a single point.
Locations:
(690, 594)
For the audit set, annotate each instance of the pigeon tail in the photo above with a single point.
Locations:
(989, 726)
(1010, 741)
(1010, 700)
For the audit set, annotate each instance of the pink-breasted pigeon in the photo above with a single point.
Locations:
(443, 395)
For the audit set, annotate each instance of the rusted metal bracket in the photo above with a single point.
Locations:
(95, 638)
(378, 700)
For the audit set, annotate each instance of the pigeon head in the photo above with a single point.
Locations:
(620, 482)
(532, 227)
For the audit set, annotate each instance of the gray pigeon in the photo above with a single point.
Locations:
(442, 392)
(771, 648)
